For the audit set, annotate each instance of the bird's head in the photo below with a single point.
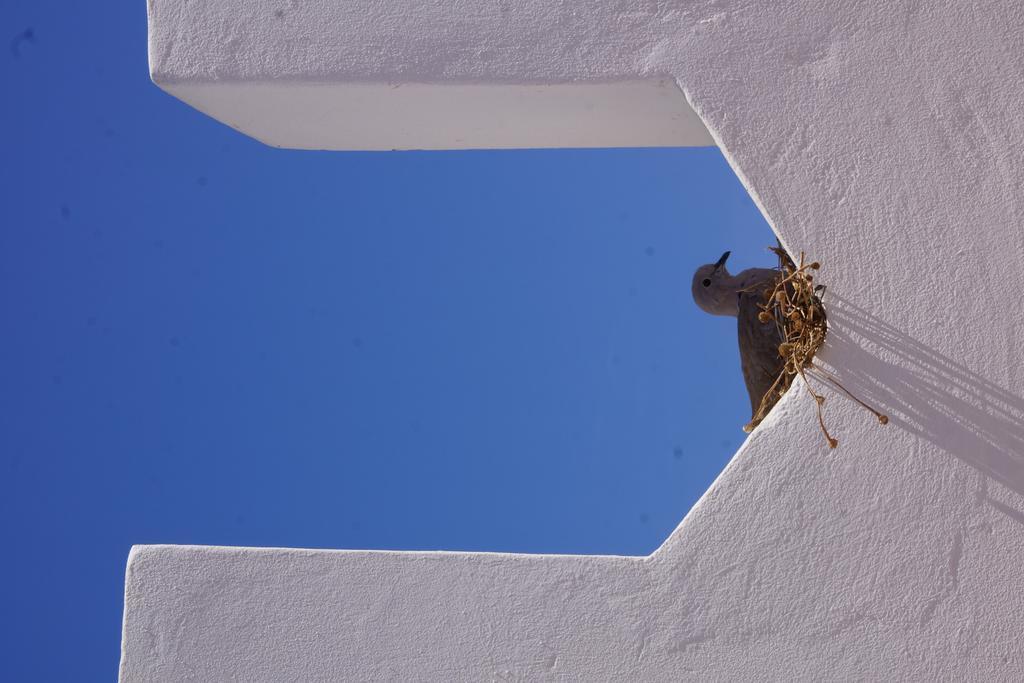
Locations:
(711, 288)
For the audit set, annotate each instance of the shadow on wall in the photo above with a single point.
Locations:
(931, 395)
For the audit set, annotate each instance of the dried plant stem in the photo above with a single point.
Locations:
(793, 304)
(818, 401)
(820, 372)
(766, 403)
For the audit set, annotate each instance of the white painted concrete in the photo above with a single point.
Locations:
(885, 139)
(375, 116)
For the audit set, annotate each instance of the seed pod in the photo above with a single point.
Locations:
(764, 316)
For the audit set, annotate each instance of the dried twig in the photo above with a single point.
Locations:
(794, 304)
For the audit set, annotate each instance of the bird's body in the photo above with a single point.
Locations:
(718, 292)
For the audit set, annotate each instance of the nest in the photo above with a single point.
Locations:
(794, 305)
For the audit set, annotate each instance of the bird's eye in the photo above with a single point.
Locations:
(706, 282)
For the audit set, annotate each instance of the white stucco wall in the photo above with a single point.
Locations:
(884, 138)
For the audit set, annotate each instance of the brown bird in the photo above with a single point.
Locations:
(718, 292)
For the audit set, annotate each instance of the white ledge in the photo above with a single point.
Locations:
(367, 116)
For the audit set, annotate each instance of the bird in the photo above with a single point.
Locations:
(718, 292)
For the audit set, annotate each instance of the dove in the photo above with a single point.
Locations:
(719, 292)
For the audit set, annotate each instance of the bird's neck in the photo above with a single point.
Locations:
(745, 281)
(752, 277)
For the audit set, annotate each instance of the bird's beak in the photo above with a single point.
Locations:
(721, 261)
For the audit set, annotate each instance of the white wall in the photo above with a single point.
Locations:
(886, 139)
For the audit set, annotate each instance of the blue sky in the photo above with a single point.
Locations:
(209, 341)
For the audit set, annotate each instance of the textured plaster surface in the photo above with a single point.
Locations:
(885, 139)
